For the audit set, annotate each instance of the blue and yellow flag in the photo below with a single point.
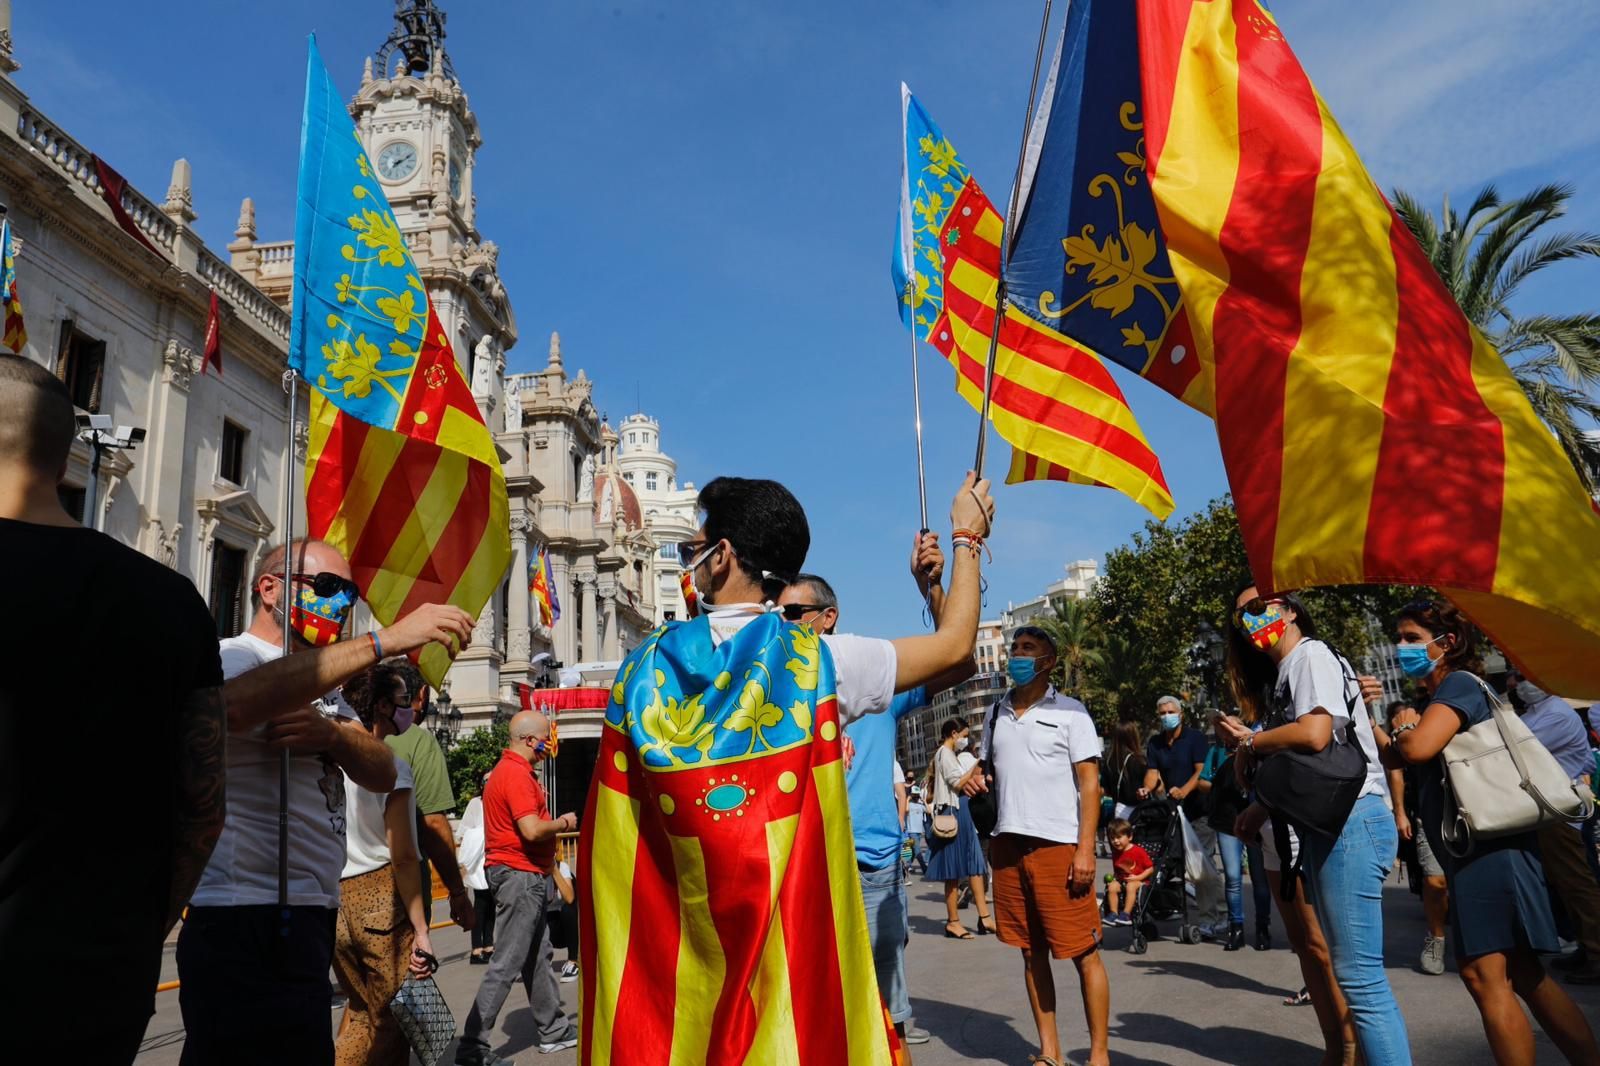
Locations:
(16, 334)
(402, 475)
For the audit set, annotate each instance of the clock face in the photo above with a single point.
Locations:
(397, 161)
(455, 180)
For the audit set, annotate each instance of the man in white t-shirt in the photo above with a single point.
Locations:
(255, 975)
(1045, 754)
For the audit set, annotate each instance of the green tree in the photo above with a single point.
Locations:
(474, 755)
(1156, 593)
(1483, 258)
(1072, 626)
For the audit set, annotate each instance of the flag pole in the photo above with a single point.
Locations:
(916, 401)
(290, 384)
(1000, 298)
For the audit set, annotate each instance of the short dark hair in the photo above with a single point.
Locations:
(1445, 619)
(821, 592)
(1119, 827)
(763, 522)
(409, 675)
(39, 422)
(363, 691)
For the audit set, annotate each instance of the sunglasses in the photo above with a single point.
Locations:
(688, 550)
(1256, 606)
(326, 584)
(795, 611)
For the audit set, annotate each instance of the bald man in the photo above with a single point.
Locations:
(100, 850)
(519, 839)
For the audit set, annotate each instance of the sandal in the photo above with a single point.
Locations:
(986, 926)
(965, 934)
(1042, 1060)
(1299, 999)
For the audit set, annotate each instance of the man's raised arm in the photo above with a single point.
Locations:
(919, 660)
(294, 680)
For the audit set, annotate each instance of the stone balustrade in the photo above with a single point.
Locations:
(276, 252)
(232, 286)
(77, 162)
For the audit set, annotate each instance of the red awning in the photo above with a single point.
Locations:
(566, 699)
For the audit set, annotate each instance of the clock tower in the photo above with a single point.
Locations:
(423, 140)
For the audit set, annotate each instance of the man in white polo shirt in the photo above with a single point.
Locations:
(1044, 754)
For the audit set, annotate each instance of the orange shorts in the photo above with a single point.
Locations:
(1033, 908)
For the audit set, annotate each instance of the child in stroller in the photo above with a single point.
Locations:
(1131, 868)
(1156, 828)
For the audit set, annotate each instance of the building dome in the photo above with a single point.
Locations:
(612, 495)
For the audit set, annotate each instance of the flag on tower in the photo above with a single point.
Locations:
(213, 348)
(16, 334)
(1053, 399)
(1370, 432)
(542, 586)
(402, 475)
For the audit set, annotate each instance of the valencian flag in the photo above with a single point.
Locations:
(1370, 433)
(1053, 401)
(721, 918)
(16, 334)
(542, 586)
(401, 473)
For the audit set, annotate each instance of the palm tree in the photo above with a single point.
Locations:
(1483, 257)
(1077, 639)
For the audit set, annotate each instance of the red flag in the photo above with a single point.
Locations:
(111, 186)
(213, 354)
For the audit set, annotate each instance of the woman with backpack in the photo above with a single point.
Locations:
(1316, 763)
(1500, 910)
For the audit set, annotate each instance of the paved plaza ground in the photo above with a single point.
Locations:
(1178, 1004)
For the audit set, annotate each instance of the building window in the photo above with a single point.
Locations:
(227, 590)
(669, 616)
(628, 477)
(650, 482)
(81, 363)
(231, 466)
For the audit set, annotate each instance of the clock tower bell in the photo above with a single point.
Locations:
(423, 139)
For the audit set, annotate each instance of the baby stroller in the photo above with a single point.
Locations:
(1158, 829)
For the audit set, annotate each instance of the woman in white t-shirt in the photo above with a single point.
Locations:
(381, 931)
(470, 854)
(1311, 694)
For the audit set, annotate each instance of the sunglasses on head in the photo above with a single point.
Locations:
(795, 611)
(1256, 606)
(326, 584)
(1425, 607)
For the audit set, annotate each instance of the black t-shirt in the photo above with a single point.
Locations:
(101, 648)
(1176, 765)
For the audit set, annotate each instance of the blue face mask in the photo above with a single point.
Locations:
(1022, 669)
(1414, 660)
(1169, 722)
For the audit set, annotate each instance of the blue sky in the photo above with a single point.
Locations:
(701, 197)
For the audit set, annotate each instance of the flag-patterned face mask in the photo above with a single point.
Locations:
(1264, 627)
(547, 747)
(319, 620)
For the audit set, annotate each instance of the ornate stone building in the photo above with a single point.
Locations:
(123, 324)
(670, 514)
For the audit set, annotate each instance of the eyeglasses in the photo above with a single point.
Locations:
(795, 611)
(328, 584)
(688, 550)
(1256, 606)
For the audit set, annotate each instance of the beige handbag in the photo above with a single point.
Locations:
(1499, 780)
(945, 826)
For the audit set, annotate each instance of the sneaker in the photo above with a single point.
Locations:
(1432, 960)
(569, 973)
(917, 1036)
(1119, 919)
(569, 1039)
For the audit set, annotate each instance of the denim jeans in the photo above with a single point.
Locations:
(1345, 878)
(884, 893)
(919, 850)
(1234, 851)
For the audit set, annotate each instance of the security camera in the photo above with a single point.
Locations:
(86, 420)
(128, 436)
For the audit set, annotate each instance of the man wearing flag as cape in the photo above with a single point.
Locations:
(716, 853)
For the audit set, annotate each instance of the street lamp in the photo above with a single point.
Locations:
(99, 434)
(447, 720)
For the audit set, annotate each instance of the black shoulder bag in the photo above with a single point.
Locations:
(984, 807)
(1312, 791)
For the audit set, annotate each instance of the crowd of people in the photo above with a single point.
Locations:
(188, 735)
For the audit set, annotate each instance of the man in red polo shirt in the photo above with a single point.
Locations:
(519, 854)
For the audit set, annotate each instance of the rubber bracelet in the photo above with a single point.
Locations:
(377, 647)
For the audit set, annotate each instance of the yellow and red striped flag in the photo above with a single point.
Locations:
(1370, 433)
(16, 333)
(402, 475)
(1052, 398)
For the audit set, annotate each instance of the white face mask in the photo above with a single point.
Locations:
(961, 744)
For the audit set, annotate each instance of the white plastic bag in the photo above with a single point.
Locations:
(1198, 868)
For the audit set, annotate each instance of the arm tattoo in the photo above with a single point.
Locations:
(202, 773)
